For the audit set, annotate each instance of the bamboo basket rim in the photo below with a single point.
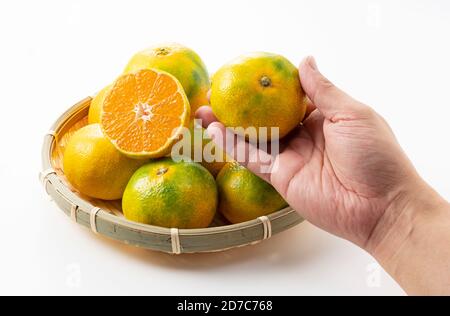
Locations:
(105, 223)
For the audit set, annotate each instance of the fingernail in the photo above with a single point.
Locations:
(211, 132)
(312, 62)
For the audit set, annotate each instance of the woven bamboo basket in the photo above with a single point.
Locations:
(106, 218)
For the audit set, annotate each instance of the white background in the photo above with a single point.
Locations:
(393, 55)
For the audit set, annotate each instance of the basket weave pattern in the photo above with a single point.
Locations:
(106, 218)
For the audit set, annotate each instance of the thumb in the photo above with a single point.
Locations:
(333, 103)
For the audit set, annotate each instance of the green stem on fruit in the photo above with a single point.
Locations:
(162, 51)
(265, 81)
(162, 171)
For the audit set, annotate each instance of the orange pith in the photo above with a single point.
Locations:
(144, 112)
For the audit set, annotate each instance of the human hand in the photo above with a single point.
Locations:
(342, 170)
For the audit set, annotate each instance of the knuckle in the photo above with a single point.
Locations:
(324, 86)
(367, 111)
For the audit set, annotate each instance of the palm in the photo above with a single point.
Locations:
(341, 170)
(331, 174)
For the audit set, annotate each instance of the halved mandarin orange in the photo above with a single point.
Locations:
(144, 113)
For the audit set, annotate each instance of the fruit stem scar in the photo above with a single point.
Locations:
(162, 51)
(162, 171)
(265, 81)
(143, 111)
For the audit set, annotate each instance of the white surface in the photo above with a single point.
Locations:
(394, 56)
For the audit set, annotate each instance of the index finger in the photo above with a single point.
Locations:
(206, 115)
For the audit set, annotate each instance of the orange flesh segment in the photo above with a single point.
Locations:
(142, 111)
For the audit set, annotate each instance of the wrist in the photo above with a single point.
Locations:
(412, 239)
(412, 208)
